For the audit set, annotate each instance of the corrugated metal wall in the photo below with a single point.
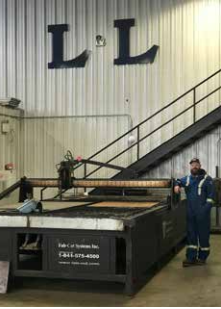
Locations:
(55, 135)
(187, 32)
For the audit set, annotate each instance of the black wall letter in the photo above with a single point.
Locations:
(57, 50)
(124, 26)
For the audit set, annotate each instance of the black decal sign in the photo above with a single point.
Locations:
(57, 50)
(124, 26)
(124, 57)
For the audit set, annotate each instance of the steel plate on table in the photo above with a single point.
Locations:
(125, 204)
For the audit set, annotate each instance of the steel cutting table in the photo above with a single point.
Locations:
(107, 238)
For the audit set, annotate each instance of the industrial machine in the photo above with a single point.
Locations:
(114, 238)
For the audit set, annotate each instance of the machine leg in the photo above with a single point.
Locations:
(129, 285)
(175, 250)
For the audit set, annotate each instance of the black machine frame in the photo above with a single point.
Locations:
(127, 255)
(121, 254)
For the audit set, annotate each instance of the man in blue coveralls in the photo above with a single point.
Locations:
(200, 192)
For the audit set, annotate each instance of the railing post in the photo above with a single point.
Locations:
(85, 173)
(85, 170)
(138, 142)
(194, 105)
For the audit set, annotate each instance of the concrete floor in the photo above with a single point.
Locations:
(172, 286)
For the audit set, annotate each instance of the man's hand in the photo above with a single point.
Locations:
(177, 189)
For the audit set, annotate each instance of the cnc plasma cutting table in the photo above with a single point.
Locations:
(106, 238)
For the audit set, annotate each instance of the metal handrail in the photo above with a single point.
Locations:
(137, 127)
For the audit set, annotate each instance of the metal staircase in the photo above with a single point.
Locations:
(176, 144)
(196, 129)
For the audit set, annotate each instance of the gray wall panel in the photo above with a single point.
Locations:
(187, 32)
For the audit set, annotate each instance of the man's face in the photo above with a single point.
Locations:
(194, 168)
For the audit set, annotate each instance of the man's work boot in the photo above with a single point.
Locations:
(200, 262)
(187, 263)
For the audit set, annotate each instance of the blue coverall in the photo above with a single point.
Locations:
(200, 192)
